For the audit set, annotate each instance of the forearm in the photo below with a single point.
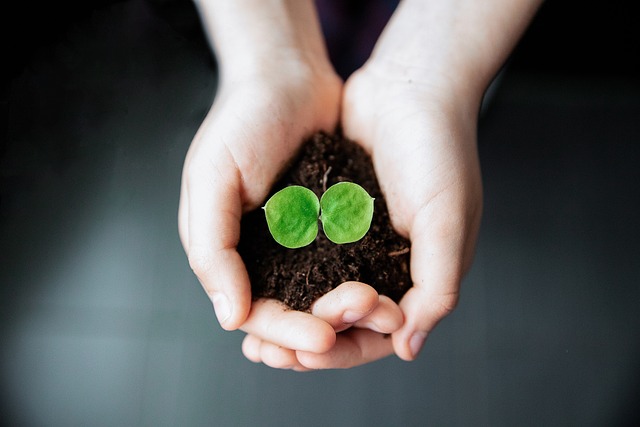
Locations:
(461, 43)
(262, 36)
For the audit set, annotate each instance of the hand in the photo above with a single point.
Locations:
(423, 142)
(254, 127)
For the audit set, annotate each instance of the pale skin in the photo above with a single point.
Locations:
(413, 106)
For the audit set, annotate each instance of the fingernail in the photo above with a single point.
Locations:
(351, 316)
(221, 306)
(416, 342)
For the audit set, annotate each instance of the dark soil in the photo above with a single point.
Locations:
(298, 277)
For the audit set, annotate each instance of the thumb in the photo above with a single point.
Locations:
(422, 312)
(437, 253)
(214, 212)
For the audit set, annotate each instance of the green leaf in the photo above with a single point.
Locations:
(347, 210)
(292, 216)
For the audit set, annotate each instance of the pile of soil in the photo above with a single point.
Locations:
(298, 277)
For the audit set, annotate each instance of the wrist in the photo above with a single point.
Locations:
(455, 46)
(265, 38)
(432, 82)
(416, 52)
(406, 86)
(287, 70)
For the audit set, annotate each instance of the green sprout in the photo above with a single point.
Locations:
(292, 214)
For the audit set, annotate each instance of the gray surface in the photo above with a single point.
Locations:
(104, 324)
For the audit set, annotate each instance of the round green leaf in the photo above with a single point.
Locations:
(292, 216)
(347, 210)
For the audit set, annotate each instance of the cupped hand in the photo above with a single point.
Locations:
(253, 129)
(422, 138)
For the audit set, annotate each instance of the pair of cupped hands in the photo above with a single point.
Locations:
(422, 139)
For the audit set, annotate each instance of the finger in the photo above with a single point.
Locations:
(278, 357)
(352, 348)
(345, 305)
(251, 348)
(386, 318)
(214, 213)
(437, 267)
(259, 351)
(271, 321)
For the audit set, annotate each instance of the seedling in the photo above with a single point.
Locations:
(345, 210)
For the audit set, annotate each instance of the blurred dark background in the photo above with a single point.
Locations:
(102, 322)
(586, 38)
